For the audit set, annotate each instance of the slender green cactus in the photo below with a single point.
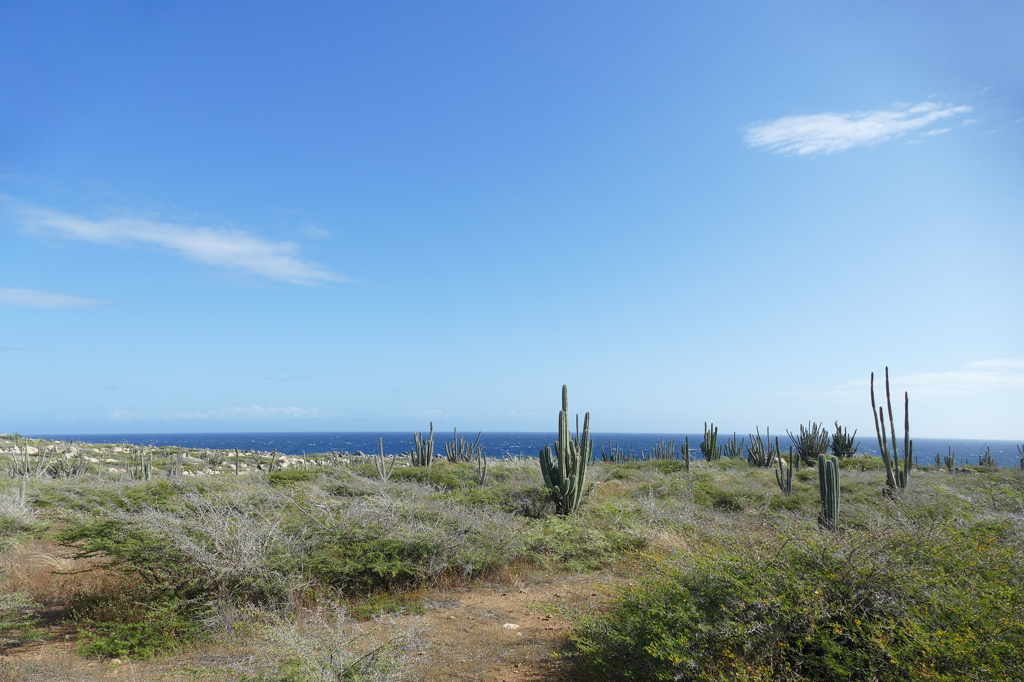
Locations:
(950, 459)
(784, 477)
(897, 474)
(566, 478)
(828, 489)
(709, 446)
(987, 460)
(1020, 449)
(481, 467)
(685, 453)
(423, 450)
(383, 468)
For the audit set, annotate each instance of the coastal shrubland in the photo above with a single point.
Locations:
(317, 569)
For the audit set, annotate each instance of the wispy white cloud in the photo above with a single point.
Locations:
(831, 132)
(977, 377)
(938, 131)
(33, 298)
(253, 412)
(227, 248)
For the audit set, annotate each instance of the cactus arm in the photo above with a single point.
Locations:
(892, 424)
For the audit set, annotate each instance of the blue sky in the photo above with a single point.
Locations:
(345, 216)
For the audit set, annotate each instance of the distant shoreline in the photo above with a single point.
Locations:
(501, 444)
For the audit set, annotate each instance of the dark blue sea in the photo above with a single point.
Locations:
(505, 444)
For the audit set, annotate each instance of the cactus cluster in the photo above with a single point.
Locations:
(760, 454)
(986, 460)
(459, 450)
(141, 464)
(812, 441)
(663, 450)
(422, 454)
(733, 449)
(842, 443)
(566, 477)
(828, 489)
(897, 473)
(949, 459)
(709, 446)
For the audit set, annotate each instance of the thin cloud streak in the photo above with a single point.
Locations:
(978, 377)
(830, 132)
(33, 298)
(253, 412)
(232, 249)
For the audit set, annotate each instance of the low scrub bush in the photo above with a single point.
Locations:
(888, 603)
(292, 476)
(123, 626)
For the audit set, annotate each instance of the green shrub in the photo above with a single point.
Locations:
(17, 617)
(711, 495)
(381, 603)
(137, 630)
(368, 561)
(932, 602)
(579, 544)
(291, 476)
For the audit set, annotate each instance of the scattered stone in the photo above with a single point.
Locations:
(510, 626)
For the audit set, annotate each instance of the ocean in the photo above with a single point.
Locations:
(500, 445)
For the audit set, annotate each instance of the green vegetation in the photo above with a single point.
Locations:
(884, 602)
(716, 570)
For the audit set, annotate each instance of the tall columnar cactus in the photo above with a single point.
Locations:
(784, 477)
(709, 446)
(828, 488)
(950, 459)
(481, 467)
(423, 450)
(1020, 449)
(685, 453)
(384, 469)
(567, 477)
(897, 474)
